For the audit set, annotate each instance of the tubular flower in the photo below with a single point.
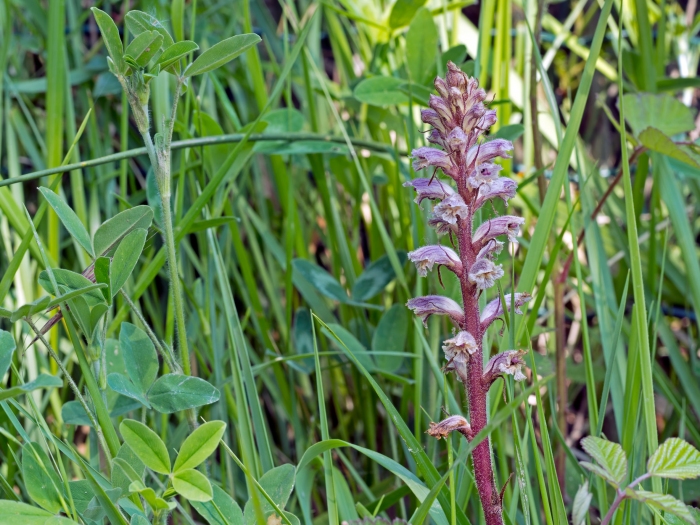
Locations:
(484, 273)
(490, 250)
(510, 362)
(451, 209)
(484, 173)
(428, 305)
(424, 157)
(502, 188)
(450, 424)
(486, 151)
(429, 189)
(494, 309)
(427, 256)
(504, 225)
(458, 350)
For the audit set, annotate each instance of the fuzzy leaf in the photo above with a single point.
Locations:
(144, 47)
(664, 502)
(609, 455)
(169, 60)
(111, 38)
(675, 459)
(221, 53)
(138, 22)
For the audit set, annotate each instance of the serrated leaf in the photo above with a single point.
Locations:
(144, 47)
(174, 392)
(112, 231)
(146, 444)
(609, 455)
(7, 348)
(40, 479)
(421, 46)
(126, 256)
(233, 515)
(661, 111)
(221, 53)
(199, 445)
(170, 58)
(111, 38)
(140, 357)
(69, 219)
(193, 485)
(582, 502)
(665, 502)
(675, 459)
(600, 472)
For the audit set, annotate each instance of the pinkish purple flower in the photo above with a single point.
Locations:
(427, 256)
(439, 105)
(428, 305)
(450, 424)
(426, 156)
(504, 225)
(457, 140)
(501, 187)
(451, 209)
(429, 189)
(458, 350)
(490, 250)
(494, 309)
(483, 173)
(431, 117)
(484, 152)
(509, 362)
(484, 273)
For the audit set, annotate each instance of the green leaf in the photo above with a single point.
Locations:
(663, 112)
(320, 279)
(380, 91)
(40, 479)
(157, 503)
(284, 120)
(138, 22)
(123, 477)
(17, 513)
(124, 386)
(169, 60)
(103, 276)
(126, 256)
(610, 457)
(73, 413)
(140, 357)
(69, 219)
(510, 132)
(128, 471)
(112, 231)
(390, 336)
(421, 46)
(582, 502)
(146, 444)
(137, 519)
(278, 484)
(664, 502)
(29, 309)
(82, 494)
(221, 53)
(144, 47)
(231, 513)
(375, 277)
(355, 347)
(675, 459)
(75, 293)
(71, 281)
(402, 12)
(7, 348)
(193, 485)
(41, 381)
(655, 140)
(174, 392)
(199, 445)
(110, 36)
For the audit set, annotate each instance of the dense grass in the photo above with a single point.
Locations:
(292, 226)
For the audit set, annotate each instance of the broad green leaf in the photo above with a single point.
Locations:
(609, 455)
(146, 444)
(231, 513)
(675, 459)
(40, 479)
(137, 519)
(17, 513)
(582, 502)
(111, 38)
(127, 470)
(73, 413)
(103, 276)
(140, 357)
(41, 381)
(138, 22)
(655, 140)
(105, 496)
(421, 46)
(323, 281)
(30, 309)
(174, 392)
(193, 485)
(278, 484)
(355, 347)
(69, 219)
(390, 336)
(663, 112)
(112, 231)
(7, 348)
(124, 386)
(75, 293)
(510, 132)
(82, 494)
(156, 502)
(402, 12)
(664, 502)
(169, 60)
(126, 256)
(122, 478)
(284, 120)
(71, 281)
(221, 53)
(375, 277)
(380, 91)
(144, 47)
(153, 197)
(199, 445)
(80, 310)
(303, 339)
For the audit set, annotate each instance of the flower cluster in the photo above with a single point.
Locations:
(459, 121)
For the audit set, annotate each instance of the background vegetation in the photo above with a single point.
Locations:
(293, 242)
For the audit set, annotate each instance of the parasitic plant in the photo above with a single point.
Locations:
(459, 120)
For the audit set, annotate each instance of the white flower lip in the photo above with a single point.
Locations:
(494, 309)
(451, 209)
(484, 273)
(509, 362)
(428, 256)
(429, 189)
(504, 225)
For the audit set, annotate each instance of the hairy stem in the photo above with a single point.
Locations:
(620, 496)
